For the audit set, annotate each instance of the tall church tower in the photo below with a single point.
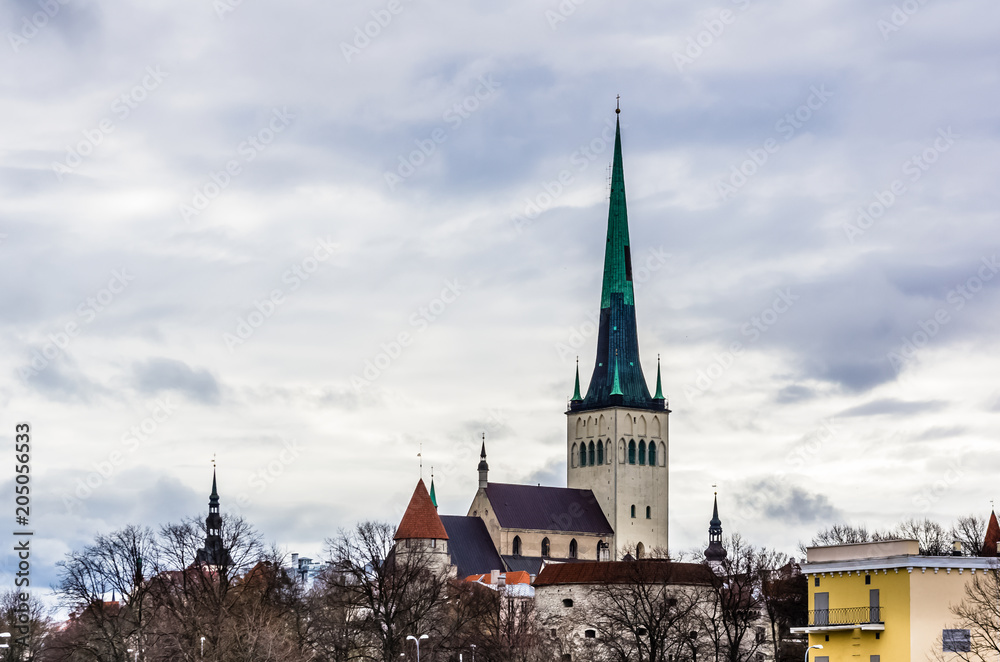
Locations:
(214, 553)
(617, 441)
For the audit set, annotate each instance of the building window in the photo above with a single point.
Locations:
(573, 456)
(875, 658)
(868, 579)
(633, 511)
(878, 635)
(642, 452)
(815, 581)
(567, 602)
(583, 455)
(760, 636)
(600, 452)
(545, 546)
(602, 551)
(572, 548)
(515, 547)
(641, 632)
(652, 454)
(590, 454)
(640, 551)
(433, 543)
(649, 513)
(590, 634)
(631, 452)
(566, 657)
(956, 641)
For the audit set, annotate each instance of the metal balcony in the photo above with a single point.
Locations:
(844, 618)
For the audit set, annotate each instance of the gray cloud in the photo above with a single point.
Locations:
(156, 375)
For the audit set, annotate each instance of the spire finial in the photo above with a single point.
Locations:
(420, 455)
(618, 106)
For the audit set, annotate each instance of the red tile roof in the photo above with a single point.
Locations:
(624, 572)
(421, 520)
(992, 537)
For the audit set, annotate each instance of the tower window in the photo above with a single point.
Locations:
(545, 547)
(572, 548)
(567, 602)
(600, 452)
(583, 455)
(649, 513)
(590, 454)
(642, 452)
(652, 454)
(633, 511)
(573, 456)
(590, 634)
(631, 452)
(515, 547)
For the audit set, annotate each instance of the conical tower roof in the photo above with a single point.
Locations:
(992, 537)
(420, 521)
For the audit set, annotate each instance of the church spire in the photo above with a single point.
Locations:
(617, 342)
(576, 390)
(659, 387)
(484, 468)
(214, 552)
(715, 553)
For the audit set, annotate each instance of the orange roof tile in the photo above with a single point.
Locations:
(421, 521)
(992, 537)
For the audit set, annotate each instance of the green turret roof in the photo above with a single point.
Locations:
(576, 391)
(617, 257)
(434, 499)
(659, 387)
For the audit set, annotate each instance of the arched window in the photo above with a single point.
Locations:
(583, 455)
(572, 456)
(652, 454)
(545, 546)
(600, 452)
(602, 551)
(640, 551)
(515, 547)
(649, 513)
(590, 454)
(642, 452)
(633, 510)
(567, 602)
(631, 452)
(572, 548)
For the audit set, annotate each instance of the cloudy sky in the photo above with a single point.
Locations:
(311, 239)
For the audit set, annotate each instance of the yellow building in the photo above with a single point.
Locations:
(883, 602)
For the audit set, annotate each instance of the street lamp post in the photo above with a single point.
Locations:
(203, 646)
(423, 636)
(816, 646)
(133, 650)
(473, 647)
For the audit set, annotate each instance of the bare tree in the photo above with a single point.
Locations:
(29, 623)
(395, 593)
(970, 530)
(979, 614)
(929, 534)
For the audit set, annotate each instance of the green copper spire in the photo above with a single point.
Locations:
(616, 388)
(659, 388)
(576, 392)
(433, 496)
(617, 256)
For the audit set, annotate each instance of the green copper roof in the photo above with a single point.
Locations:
(433, 496)
(616, 388)
(617, 259)
(576, 392)
(659, 388)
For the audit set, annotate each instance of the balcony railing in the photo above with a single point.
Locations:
(846, 616)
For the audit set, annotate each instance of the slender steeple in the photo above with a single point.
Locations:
(659, 387)
(214, 552)
(484, 468)
(433, 496)
(617, 371)
(715, 553)
(576, 390)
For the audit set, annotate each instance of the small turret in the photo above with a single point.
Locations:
(484, 468)
(716, 553)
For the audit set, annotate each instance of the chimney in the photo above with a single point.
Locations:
(956, 548)
(295, 560)
(494, 577)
